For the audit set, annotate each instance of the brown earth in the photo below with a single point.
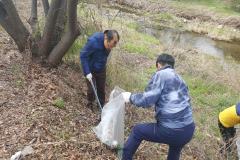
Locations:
(30, 118)
(28, 115)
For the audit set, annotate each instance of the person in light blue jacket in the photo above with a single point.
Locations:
(174, 126)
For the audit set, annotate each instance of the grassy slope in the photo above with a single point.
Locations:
(211, 84)
(216, 9)
(213, 18)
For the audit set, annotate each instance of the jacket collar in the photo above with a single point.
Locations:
(165, 67)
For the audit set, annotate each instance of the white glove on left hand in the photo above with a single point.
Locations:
(126, 96)
(89, 76)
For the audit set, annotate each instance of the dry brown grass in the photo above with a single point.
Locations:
(210, 68)
(128, 71)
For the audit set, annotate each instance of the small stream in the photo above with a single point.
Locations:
(183, 39)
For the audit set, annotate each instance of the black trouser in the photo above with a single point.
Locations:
(99, 80)
(227, 135)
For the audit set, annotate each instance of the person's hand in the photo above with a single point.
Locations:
(89, 76)
(126, 96)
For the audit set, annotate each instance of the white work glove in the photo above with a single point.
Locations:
(89, 76)
(126, 96)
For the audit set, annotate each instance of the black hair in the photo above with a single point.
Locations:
(110, 34)
(164, 59)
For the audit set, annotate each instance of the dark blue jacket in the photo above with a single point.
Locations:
(94, 55)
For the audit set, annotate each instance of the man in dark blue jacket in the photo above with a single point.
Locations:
(93, 59)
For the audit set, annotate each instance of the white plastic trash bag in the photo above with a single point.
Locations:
(111, 128)
(21, 154)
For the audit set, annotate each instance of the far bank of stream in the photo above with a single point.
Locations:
(183, 39)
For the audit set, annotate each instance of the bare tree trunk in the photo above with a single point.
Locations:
(36, 34)
(11, 22)
(45, 7)
(45, 45)
(60, 24)
(33, 19)
(3, 12)
(69, 37)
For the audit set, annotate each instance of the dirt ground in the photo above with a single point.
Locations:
(28, 116)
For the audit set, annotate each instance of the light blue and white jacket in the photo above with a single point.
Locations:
(168, 92)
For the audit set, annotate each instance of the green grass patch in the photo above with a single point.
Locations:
(134, 36)
(133, 25)
(126, 78)
(149, 39)
(210, 94)
(76, 47)
(151, 70)
(141, 43)
(19, 77)
(209, 99)
(134, 48)
(19, 83)
(59, 103)
(64, 135)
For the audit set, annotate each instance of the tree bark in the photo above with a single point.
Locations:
(69, 37)
(45, 7)
(33, 19)
(60, 24)
(11, 22)
(45, 45)
(3, 12)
